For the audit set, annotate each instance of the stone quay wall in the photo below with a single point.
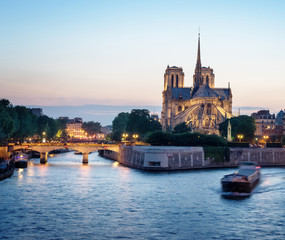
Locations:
(262, 156)
(162, 158)
(109, 154)
(182, 158)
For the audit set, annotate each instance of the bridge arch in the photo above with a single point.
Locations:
(85, 149)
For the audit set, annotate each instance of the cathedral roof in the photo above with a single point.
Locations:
(181, 93)
(224, 93)
(202, 91)
(205, 91)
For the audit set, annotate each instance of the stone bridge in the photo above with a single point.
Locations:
(45, 148)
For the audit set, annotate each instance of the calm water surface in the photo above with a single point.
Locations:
(102, 200)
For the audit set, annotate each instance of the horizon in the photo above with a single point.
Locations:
(105, 114)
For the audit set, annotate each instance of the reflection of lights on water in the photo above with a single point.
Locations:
(115, 164)
(84, 170)
(20, 175)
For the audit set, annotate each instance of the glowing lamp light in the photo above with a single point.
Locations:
(240, 137)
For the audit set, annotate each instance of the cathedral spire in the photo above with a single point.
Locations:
(198, 81)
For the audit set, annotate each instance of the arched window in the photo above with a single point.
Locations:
(179, 108)
(207, 79)
(207, 123)
(177, 78)
(172, 81)
(208, 109)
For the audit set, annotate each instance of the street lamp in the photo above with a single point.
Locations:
(240, 137)
(135, 136)
(44, 139)
(265, 139)
(125, 135)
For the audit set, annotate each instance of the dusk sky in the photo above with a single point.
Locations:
(115, 52)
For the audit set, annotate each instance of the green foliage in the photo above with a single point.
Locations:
(61, 123)
(7, 124)
(119, 125)
(154, 125)
(160, 138)
(243, 124)
(47, 125)
(217, 154)
(27, 123)
(137, 122)
(141, 123)
(283, 140)
(91, 127)
(19, 123)
(5, 103)
(181, 128)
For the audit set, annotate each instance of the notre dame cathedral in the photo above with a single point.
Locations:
(202, 107)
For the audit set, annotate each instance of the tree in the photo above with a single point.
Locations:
(5, 103)
(47, 125)
(158, 138)
(91, 127)
(141, 123)
(61, 123)
(119, 125)
(7, 124)
(138, 121)
(27, 123)
(154, 125)
(283, 140)
(181, 128)
(242, 125)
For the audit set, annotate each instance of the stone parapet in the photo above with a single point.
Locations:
(182, 158)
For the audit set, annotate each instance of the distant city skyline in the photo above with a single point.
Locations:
(55, 53)
(105, 114)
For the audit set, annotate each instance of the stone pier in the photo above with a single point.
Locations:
(43, 157)
(85, 158)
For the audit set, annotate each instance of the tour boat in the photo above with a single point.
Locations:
(243, 181)
(21, 160)
(6, 169)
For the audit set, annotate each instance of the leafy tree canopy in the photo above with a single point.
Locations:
(7, 124)
(160, 138)
(244, 125)
(91, 127)
(141, 123)
(283, 140)
(181, 128)
(5, 103)
(48, 126)
(119, 123)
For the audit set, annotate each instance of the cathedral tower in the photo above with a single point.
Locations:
(202, 107)
(197, 78)
(173, 77)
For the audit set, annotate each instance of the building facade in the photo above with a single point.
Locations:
(74, 128)
(202, 107)
(268, 124)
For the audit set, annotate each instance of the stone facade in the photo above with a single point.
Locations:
(183, 158)
(268, 124)
(202, 107)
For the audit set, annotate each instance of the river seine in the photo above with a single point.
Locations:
(65, 199)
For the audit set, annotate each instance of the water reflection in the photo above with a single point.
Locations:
(65, 199)
(115, 164)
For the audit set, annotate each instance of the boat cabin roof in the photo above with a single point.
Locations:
(245, 172)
